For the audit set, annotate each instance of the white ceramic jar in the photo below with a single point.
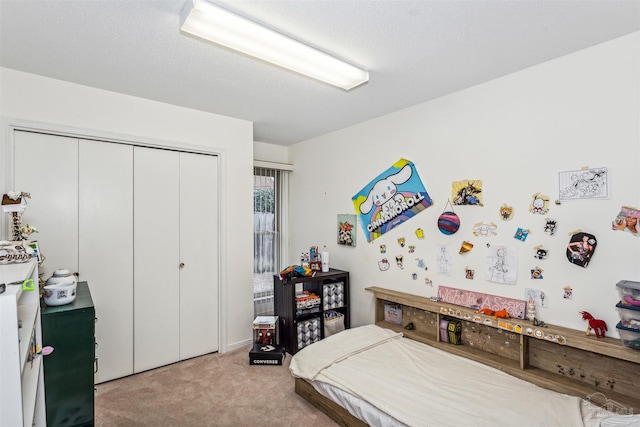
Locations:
(61, 277)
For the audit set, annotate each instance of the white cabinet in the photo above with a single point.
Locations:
(125, 218)
(22, 390)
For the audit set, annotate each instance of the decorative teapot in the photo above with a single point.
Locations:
(62, 277)
(60, 288)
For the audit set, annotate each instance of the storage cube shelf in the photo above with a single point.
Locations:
(301, 304)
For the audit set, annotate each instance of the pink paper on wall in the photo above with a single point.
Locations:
(478, 300)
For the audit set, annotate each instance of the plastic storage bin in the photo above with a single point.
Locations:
(629, 292)
(629, 316)
(630, 337)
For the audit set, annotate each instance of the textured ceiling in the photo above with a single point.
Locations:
(415, 51)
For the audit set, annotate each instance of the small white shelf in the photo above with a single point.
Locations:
(22, 391)
(27, 313)
(16, 272)
(30, 381)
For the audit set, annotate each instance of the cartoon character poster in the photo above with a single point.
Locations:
(467, 192)
(393, 197)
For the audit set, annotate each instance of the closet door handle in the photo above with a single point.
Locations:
(182, 265)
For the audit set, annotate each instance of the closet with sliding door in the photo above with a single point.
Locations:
(140, 225)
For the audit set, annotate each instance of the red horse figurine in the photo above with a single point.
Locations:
(598, 325)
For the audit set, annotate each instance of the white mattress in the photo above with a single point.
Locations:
(357, 407)
(386, 380)
(374, 417)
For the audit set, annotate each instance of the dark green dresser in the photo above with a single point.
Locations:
(68, 370)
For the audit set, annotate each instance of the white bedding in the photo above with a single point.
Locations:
(357, 407)
(420, 385)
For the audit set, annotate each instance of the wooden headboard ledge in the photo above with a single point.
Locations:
(561, 359)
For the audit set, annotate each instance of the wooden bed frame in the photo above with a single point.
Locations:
(556, 358)
(326, 405)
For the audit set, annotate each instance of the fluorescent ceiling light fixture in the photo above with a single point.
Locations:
(217, 25)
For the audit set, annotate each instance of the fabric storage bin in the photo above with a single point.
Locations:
(629, 292)
(629, 316)
(308, 332)
(332, 295)
(333, 323)
(454, 329)
(630, 337)
(444, 332)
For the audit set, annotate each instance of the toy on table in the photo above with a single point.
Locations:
(265, 336)
(598, 325)
(503, 314)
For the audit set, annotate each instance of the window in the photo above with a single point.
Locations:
(270, 196)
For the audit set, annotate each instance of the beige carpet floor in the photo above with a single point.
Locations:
(210, 390)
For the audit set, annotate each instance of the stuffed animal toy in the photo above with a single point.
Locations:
(598, 325)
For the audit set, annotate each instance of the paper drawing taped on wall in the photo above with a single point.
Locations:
(501, 264)
(393, 197)
(583, 184)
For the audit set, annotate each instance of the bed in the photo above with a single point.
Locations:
(376, 376)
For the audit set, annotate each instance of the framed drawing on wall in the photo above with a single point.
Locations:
(347, 229)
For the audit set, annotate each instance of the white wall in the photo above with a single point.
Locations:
(515, 133)
(27, 97)
(270, 153)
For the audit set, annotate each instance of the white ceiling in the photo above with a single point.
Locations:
(415, 51)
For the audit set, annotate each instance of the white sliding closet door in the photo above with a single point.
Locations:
(199, 254)
(141, 226)
(156, 258)
(106, 250)
(47, 167)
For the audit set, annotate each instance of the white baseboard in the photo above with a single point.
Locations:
(241, 344)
